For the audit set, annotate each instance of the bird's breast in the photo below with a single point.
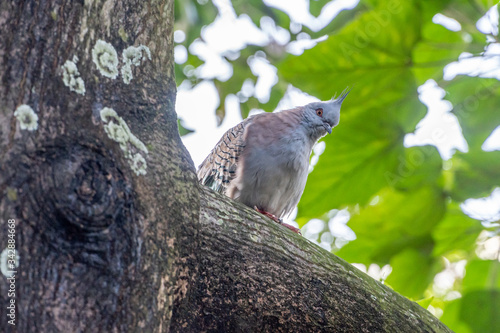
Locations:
(274, 176)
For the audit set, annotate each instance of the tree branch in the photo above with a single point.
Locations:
(255, 275)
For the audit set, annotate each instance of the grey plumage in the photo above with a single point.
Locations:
(263, 161)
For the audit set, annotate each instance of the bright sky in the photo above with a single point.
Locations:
(196, 106)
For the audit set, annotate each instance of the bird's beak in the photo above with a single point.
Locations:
(327, 127)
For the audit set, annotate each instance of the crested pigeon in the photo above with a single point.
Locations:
(263, 161)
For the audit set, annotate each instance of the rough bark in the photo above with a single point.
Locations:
(103, 246)
(257, 276)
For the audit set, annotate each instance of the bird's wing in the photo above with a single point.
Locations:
(219, 168)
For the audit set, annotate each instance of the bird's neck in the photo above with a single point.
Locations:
(295, 120)
(313, 133)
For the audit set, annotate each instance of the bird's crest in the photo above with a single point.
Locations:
(342, 96)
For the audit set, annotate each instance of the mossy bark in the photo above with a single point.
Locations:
(258, 276)
(103, 248)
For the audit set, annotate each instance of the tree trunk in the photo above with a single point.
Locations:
(100, 199)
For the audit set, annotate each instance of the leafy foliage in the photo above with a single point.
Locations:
(404, 201)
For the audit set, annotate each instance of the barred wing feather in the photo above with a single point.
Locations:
(219, 168)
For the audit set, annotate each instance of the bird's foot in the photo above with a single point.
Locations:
(277, 219)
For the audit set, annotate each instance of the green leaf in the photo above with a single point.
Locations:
(473, 9)
(374, 52)
(399, 220)
(481, 274)
(451, 317)
(476, 174)
(421, 165)
(425, 302)
(190, 16)
(487, 4)
(256, 9)
(475, 103)
(411, 273)
(481, 310)
(455, 232)
(343, 18)
(183, 130)
(315, 7)
(357, 155)
(438, 47)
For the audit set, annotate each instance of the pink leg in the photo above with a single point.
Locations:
(276, 219)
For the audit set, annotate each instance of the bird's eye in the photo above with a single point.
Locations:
(319, 112)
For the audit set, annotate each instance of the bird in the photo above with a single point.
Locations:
(263, 162)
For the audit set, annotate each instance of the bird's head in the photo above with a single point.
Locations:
(323, 116)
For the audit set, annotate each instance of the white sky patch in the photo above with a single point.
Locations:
(488, 24)
(314, 226)
(335, 232)
(326, 240)
(493, 141)
(298, 10)
(247, 88)
(375, 271)
(295, 27)
(312, 229)
(291, 217)
(318, 149)
(445, 280)
(439, 127)
(267, 77)
(180, 54)
(227, 35)
(484, 209)
(486, 66)
(224, 7)
(215, 66)
(338, 225)
(447, 22)
(379, 273)
(277, 33)
(179, 36)
(294, 97)
(303, 42)
(488, 245)
(227, 31)
(196, 106)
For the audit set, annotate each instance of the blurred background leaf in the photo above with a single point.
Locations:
(398, 210)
